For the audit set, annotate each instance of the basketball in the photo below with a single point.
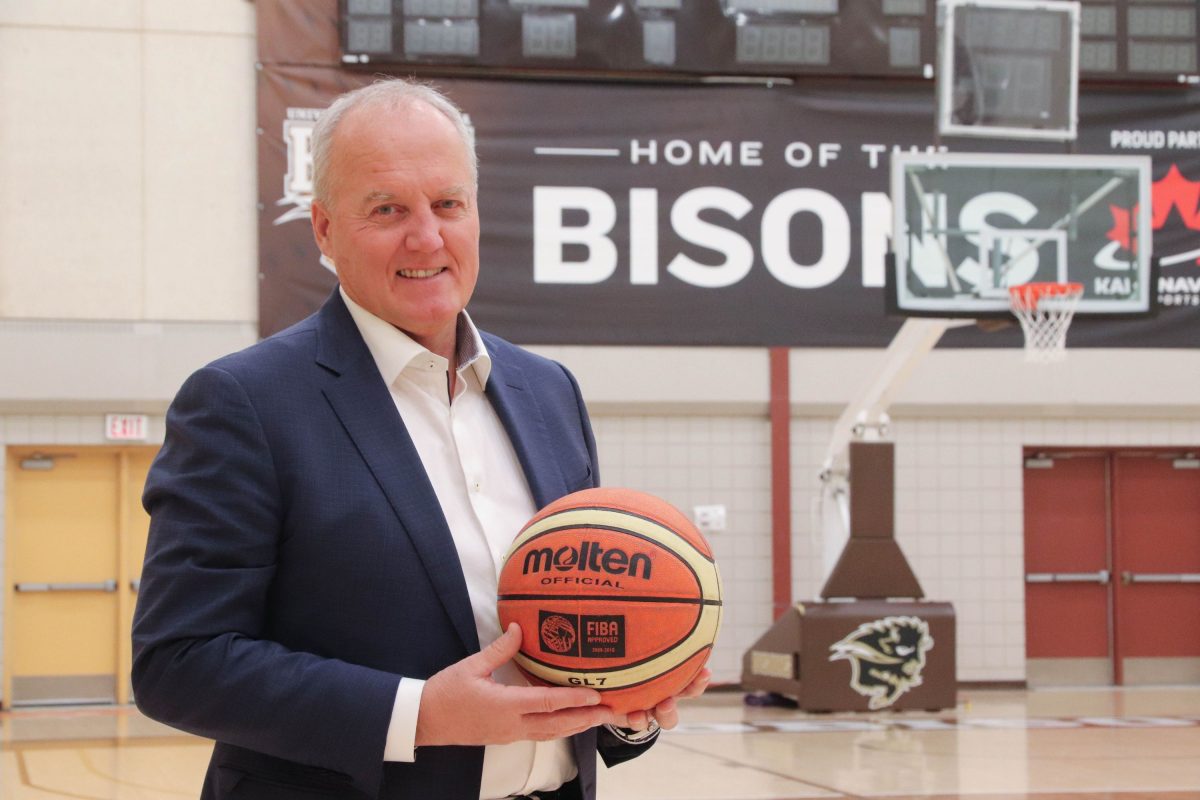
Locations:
(614, 590)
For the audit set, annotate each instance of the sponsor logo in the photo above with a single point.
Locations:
(886, 657)
(603, 636)
(558, 633)
(588, 557)
(1173, 197)
(587, 635)
(298, 181)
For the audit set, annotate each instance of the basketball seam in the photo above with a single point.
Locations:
(643, 681)
(608, 598)
(612, 510)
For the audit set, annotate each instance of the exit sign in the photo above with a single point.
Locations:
(126, 427)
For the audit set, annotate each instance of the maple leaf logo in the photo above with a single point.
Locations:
(1121, 232)
(1175, 191)
(1172, 191)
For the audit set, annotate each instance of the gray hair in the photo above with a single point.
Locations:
(391, 93)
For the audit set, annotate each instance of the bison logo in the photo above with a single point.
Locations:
(886, 657)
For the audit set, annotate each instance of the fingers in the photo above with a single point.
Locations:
(547, 700)
(458, 707)
(499, 652)
(667, 713)
(698, 684)
(568, 722)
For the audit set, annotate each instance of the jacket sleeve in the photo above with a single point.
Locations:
(204, 661)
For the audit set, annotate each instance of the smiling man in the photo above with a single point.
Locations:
(331, 507)
(396, 213)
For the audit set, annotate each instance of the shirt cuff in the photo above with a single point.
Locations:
(629, 736)
(402, 730)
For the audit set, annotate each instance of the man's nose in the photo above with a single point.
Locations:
(424, 234)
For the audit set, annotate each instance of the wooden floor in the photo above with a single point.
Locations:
(1115, 744)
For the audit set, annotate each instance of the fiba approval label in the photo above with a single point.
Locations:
(585, 635)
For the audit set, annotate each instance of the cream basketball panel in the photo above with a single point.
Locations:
(699, 639)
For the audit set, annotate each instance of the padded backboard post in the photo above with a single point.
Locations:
(872, 565)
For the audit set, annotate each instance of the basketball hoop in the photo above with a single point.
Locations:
(1045, 311)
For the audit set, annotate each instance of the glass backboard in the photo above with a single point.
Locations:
(967, 226)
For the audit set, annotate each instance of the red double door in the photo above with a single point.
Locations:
(1112, 567)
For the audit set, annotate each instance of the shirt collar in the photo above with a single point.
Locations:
(394, 350)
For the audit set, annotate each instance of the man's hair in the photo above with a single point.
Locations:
(390, 93)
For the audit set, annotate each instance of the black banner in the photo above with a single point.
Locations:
(710, 215)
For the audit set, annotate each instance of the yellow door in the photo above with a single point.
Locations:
(137, 528)
(76, 533)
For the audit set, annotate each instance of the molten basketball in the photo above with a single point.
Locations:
(615, 590)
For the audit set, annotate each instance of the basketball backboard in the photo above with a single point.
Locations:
(967, 226)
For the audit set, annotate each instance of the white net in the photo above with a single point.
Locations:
(1045, 311)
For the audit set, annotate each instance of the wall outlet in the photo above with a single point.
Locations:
(709, 519)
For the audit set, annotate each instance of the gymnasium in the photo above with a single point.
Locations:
(772, 240)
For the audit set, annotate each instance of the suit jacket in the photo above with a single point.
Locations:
(299, 564)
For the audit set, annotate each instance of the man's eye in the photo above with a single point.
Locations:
(448, 205)
(385, 211)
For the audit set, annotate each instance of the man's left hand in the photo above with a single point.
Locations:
(665, 713)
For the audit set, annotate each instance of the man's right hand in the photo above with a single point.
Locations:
(463, 705)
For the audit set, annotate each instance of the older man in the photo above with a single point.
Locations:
(331, 506)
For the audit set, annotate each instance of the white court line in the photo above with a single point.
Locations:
(606, 152)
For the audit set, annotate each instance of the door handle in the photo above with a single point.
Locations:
(97, 586)
(1100, 577)
(1159, 577)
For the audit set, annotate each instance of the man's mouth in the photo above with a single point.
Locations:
(419, 273)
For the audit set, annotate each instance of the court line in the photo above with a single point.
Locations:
(116, 781)
(114, 742)
(763, 770)
(23, 775)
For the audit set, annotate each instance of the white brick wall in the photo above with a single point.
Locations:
(959, 510)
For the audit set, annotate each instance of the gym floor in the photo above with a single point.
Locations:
(1117, 744)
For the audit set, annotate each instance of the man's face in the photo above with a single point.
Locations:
(401, 223)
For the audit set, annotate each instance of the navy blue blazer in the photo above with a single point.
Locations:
(299, 564)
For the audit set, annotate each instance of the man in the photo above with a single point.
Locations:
(330, 508)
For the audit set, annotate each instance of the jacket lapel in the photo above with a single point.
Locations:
(517, 407)
(365, 407)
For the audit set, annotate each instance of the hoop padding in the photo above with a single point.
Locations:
(1045, 311)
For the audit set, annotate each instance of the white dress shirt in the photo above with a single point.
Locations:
(486, 500)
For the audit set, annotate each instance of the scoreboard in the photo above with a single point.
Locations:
(1120, 40)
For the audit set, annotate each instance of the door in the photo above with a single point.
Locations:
(63, 541)
(1112, 557)
(1157, 523)
(1068, 591)
(75, 535)
(137, 527)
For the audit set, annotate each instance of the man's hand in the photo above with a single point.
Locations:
(463, 705)
(666, 713)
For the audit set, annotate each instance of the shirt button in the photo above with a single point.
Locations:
(476, 486)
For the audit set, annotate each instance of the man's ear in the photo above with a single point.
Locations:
(321, 224)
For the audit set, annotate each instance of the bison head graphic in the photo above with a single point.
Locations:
(886, 657)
